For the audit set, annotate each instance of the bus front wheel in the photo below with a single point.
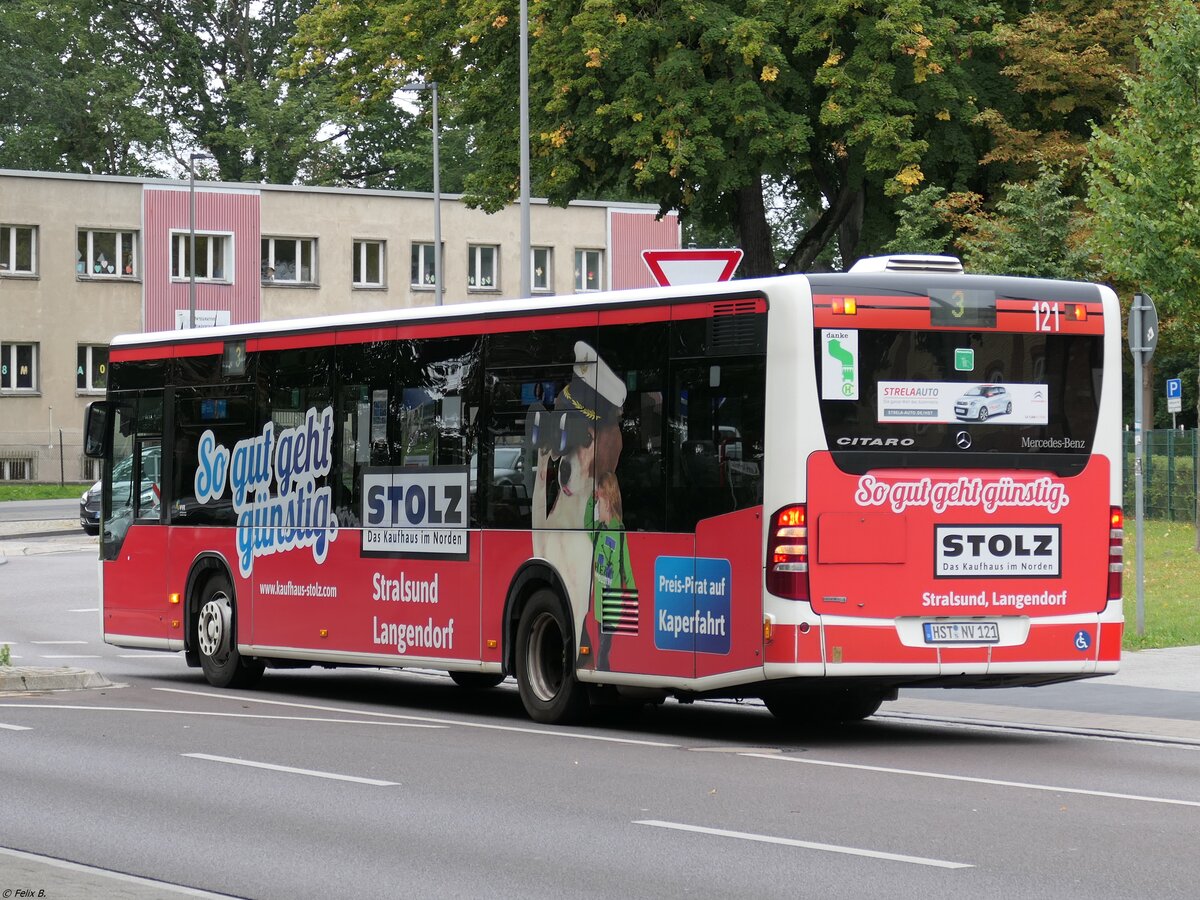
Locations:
(216, 639)
(546, 663)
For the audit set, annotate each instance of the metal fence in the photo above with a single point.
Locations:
(42, 456)
(1168, 475)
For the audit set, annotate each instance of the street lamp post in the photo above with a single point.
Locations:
(432, 87)
(526, 260)
(192, 235)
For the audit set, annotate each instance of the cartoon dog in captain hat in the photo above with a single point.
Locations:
(577, 442)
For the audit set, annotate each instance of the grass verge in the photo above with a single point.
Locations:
(28, 490)
(1171, 589)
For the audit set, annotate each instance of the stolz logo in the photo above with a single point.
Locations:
(1010, 551)
(299, 513)
(1041, 493)
(418, 512)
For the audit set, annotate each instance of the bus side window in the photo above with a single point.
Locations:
(230, 418)
(716, 453)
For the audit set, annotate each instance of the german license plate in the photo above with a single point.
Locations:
(962, 632)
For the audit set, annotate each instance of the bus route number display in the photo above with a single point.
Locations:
(960, 308)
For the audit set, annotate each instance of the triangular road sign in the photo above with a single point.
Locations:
(692, 266)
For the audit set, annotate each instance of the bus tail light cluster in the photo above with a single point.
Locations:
(1116, 551)
(787, 553)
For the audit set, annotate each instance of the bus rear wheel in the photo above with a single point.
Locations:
(216, 639)
(798, 708)
(546, 663)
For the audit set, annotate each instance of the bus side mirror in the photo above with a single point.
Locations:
(97, 429)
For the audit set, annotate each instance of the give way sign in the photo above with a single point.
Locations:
(691, 266)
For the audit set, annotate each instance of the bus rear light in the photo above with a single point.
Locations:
(787, 553)
(1077, 312)
(1116, 552)
(845, 306)
(768, 629)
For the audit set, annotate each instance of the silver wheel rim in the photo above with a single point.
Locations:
(545, 659)
(213, 628)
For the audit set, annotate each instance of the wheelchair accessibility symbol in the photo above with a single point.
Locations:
(1083, 640)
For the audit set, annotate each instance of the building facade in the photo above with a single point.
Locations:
(84, 258)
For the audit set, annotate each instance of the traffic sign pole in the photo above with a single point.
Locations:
(1143, 336)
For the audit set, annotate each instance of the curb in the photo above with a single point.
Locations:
(37, 678)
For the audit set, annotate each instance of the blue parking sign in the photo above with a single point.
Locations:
(1174, 387)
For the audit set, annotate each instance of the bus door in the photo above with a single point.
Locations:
(133, 540)
(716, 492)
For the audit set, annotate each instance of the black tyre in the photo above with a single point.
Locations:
(216, 638)
(476, 681)
(93, 530)
(810, 709)
(546, 663)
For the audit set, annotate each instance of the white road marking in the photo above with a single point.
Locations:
(66, 656)
(166, 654)
(806, 845)
(216, 715)
(14, 727)
(89, 609)
(455, 722)
(116, 876)
(56, 643)
(294, 771)
(990, 781)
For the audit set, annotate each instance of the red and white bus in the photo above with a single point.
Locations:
(813, 489)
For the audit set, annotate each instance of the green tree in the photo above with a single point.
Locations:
(711, 108)
(68, 100)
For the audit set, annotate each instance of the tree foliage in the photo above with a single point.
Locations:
(697, 105)
(1144, 178)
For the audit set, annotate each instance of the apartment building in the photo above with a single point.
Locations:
(84, 258)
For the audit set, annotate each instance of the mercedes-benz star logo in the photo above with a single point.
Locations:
(963, 440)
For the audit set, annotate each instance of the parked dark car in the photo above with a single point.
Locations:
(89, 503)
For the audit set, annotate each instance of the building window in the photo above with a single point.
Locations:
(106, 254)
(368, 263)
(18, 249)
(543, 275)
(422, 265)
(214, 256)
(289, 260)
(481, 267)
(91, 370)
(18, 367)
(588, 270)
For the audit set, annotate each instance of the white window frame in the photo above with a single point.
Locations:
(89, 365)
(8, 358)
(543, 284)
(269, 266)
(475, 265)
(423, 250)
(85, 267)
(581, 258)
(179, 253)
(360, 259)
(8, 263)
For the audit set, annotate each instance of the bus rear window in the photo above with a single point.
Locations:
(959, 398)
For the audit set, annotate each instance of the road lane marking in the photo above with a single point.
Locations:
(995, 782)
(166, 654)
(14, 727)
(66, 656)
(455, 722)
(56, 643)
(292, 770)
(89, 609)
(215, 715)
(806, 845)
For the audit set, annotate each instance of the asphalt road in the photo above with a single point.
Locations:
(40, 510)
(364, 783)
